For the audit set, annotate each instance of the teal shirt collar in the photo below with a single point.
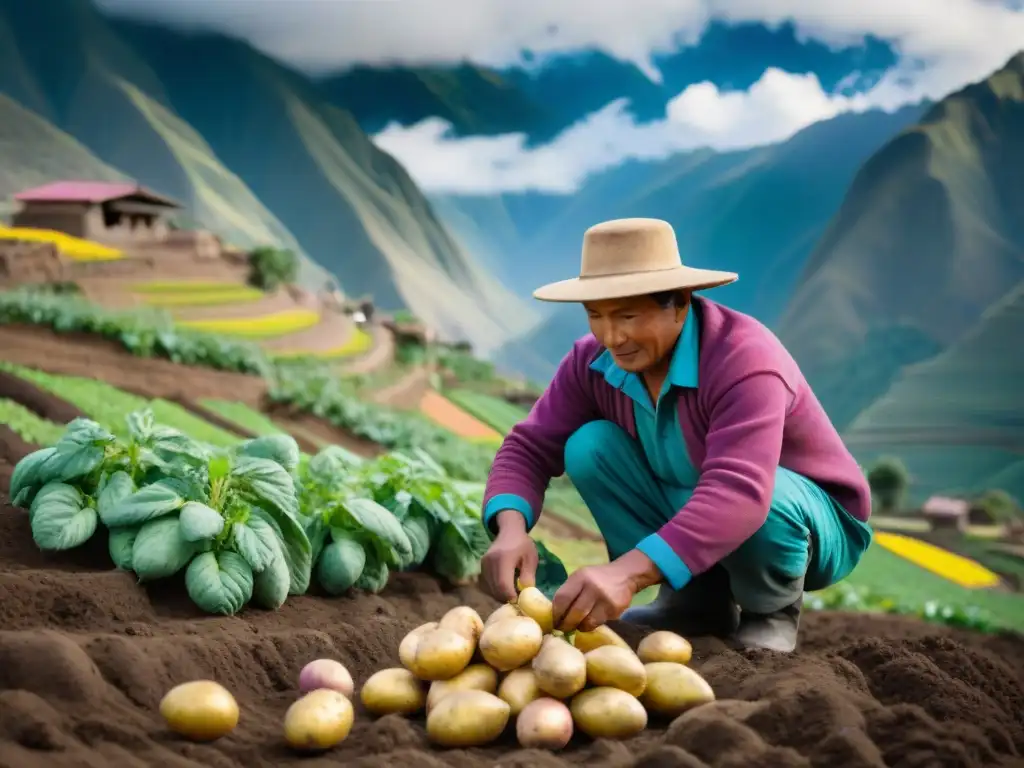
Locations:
(682, 370)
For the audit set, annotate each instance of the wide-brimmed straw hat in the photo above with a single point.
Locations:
(631, 257)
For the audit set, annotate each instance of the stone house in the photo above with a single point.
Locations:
(117, 214)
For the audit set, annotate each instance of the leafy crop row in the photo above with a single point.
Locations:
(328, 397)
(144, 334)
(27, 425)
(247, 523)
(109, 405)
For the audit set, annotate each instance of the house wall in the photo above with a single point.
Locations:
(73, 218)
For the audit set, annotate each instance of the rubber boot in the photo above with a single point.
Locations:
(770, 631)
(704, 607)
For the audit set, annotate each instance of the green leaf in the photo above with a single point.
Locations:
(340, 565)
(295, 545)
(120, 545)
(417, 529)
(218, 468)
(281, 449)
(60, 518)
(219, 582)
(317, 532)
(374, 576)
(82, 432)
(149, 502)
(270, 587)
(267, 483)
(369, 519)
(160, 550)
(199, 522)
(28, 476)
(551, 573)
(70, 461)
(140, 424)
(115, 489)
(254, 540)
(454, 557)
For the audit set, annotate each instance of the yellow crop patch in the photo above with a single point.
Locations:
(186, 286)
(956, 568)
(236, 295)
(263, 327)
(73, 247)
(360, 341)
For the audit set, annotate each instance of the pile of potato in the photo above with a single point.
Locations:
(471, 677)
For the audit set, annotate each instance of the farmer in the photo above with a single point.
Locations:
(690, 433)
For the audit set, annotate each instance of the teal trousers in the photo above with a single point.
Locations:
(807, 542)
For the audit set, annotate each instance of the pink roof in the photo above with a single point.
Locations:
(88, 192)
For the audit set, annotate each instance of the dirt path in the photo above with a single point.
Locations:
(444, 412)
(406, 393)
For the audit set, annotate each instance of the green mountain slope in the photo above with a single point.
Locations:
(33, 152)
(758, 212)
(254, 149)
(928, 237)
(957, 420)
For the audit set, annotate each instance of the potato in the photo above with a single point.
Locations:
(664, 646)
(519, 688)
(441, 654)
(465, 621)
(393, 691)
(533, 603)
(603, 635)
(319, 720)
(616, 667)
(201, 710)
(511, 643)
(544, 724)
(475, 677)
(407, 648)
(467, 719)
(507, 611)
(674, 688)
(326, 673)
(608, 713)
(561, 669)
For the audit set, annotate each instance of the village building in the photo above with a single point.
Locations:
(118, 214)
(944, 513)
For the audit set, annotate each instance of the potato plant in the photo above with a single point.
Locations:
(250, 522)
(366, 519)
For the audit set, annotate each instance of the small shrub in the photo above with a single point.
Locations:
(272, 267)
(889, 479)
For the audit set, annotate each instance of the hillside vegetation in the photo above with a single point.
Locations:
(928, 238)
(957, 420)
(254, 149)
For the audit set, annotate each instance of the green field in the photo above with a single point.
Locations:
(109, 406)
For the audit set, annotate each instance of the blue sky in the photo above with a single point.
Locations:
(731, 86)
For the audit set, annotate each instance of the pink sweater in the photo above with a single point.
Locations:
(752, 413)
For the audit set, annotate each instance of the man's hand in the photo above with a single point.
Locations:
(511, 549)
(597, 594)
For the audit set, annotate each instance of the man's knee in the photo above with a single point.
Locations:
(769, 565)
(588, 449)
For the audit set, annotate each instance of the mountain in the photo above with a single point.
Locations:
(543, 96)
(957, 420)
(758, 212)
(33, 152)
(928, 237)
(255, 150)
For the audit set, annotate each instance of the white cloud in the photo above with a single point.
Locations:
(942, 46)
(774, 108)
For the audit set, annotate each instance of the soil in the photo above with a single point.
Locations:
(92, 357)
(86, 654)
(39, 401)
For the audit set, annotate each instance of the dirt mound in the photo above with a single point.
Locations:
(86, 654)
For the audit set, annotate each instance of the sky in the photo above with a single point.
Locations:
(937, 52)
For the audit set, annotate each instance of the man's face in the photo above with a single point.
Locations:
(637, 331)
